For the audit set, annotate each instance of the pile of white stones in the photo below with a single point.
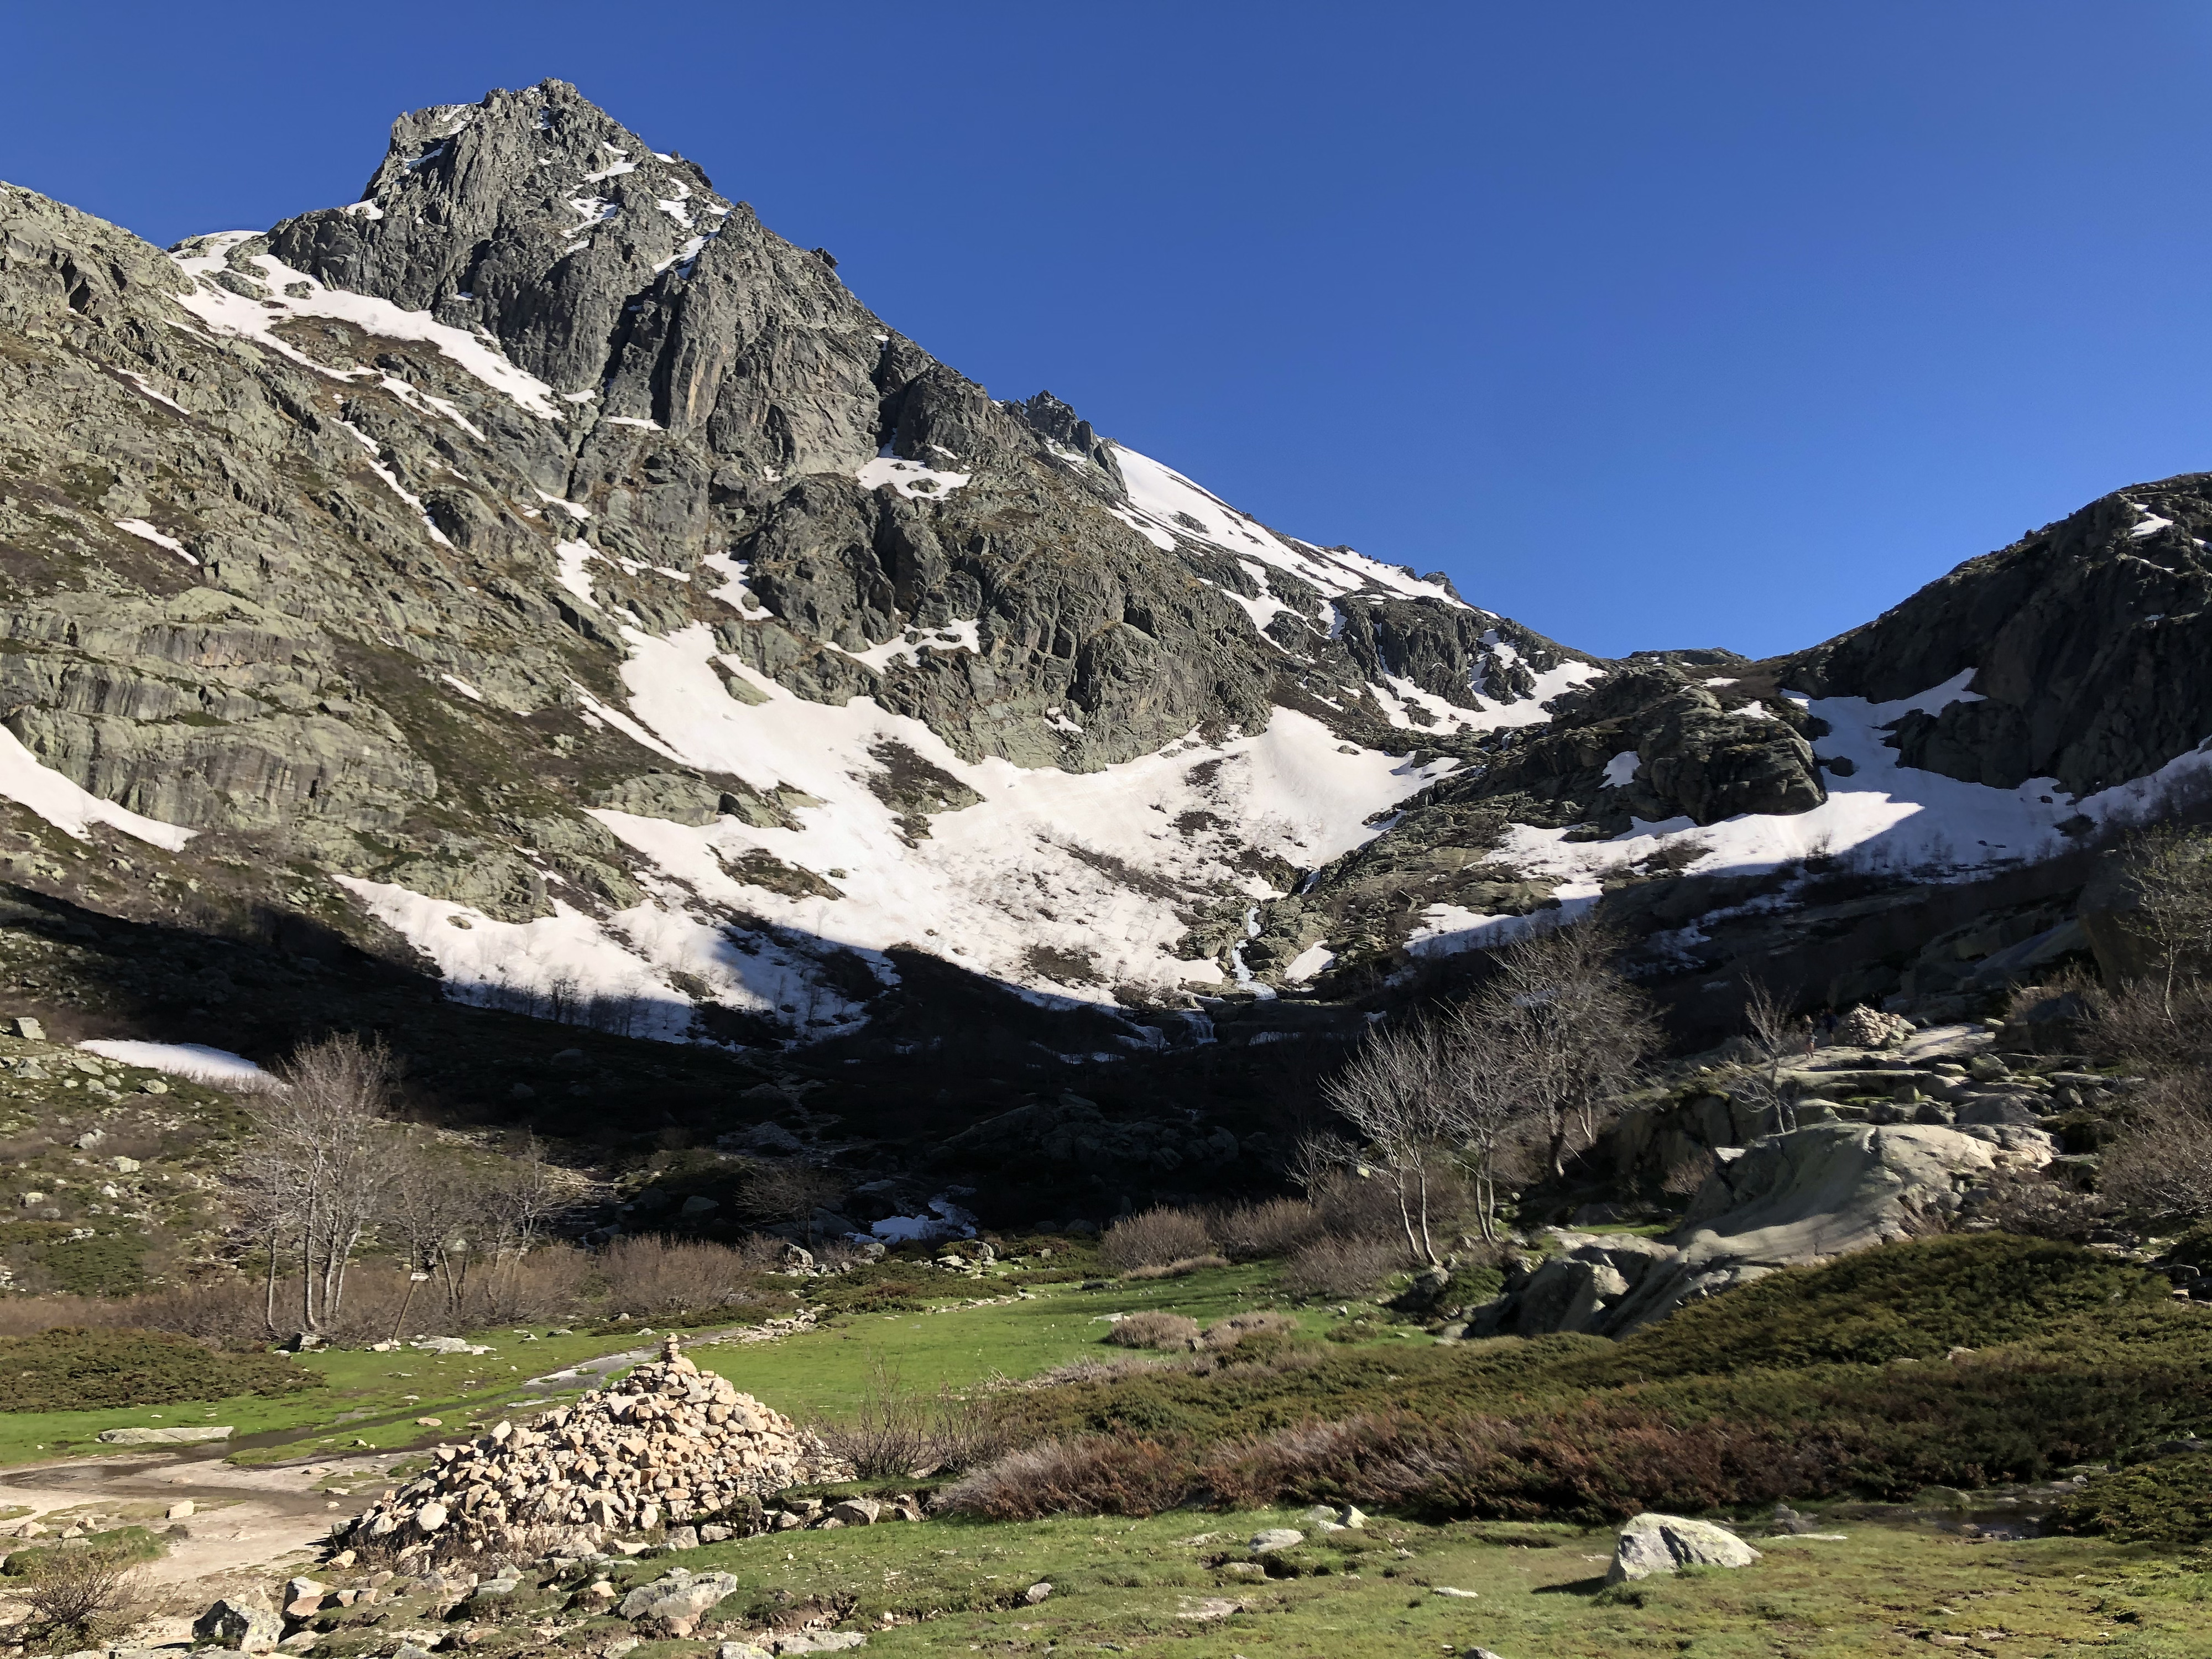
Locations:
(668, 1442)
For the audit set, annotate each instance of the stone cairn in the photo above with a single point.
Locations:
(668, 1442)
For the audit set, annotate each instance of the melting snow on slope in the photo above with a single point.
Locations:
(146, 532)
(1050, 867)
(68, 808)
(910, 478)
(1886, 816)
(193, 1060)
(1163, 504)
(234, 315)
(613, 973)
(1066, 884)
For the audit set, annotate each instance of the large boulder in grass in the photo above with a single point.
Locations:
(1651, 1544)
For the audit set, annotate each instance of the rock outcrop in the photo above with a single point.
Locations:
(1792, 1199)
(669, 1443)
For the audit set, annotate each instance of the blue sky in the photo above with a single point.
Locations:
(1695, 324)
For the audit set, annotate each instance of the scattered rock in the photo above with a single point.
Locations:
(162, 1437)
(1036, 1593)
(1277, 1538)
(1652, 1544)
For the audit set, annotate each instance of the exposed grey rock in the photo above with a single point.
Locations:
(242, 1622)
(1652, 1544)
(1818, 1192)
(677, 1601)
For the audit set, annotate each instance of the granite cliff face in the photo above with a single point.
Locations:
(540, 574)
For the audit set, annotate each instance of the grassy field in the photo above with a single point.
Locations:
(376, 1397)
(1189, 1584)
(1538, 1595)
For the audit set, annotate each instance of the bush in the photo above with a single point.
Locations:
(1154, 1330)
(1097, 1474)
(1182, 1269)
(1341, 1267)
(70, 1369)
(2168, 1502)
(1249, 1232)
(79, 1598)
(1154, 1239)
(1228, 1333)
(1916, 1300)
(655, 1278)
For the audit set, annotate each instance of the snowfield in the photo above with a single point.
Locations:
(1884, 817)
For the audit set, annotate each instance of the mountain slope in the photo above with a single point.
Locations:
(613, 609)
(543, 575)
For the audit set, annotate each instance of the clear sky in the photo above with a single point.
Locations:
(1652, 324)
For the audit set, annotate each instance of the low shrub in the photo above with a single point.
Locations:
(1331, 1265)
(71, 1369)
(1153, 1239)
(80, 1598)
(1096, 1474)
(1154, 1330)
(1182, 1269)
(1914, 1300)
(2168, 1502)
(1249, 1232)
(1265, 1322)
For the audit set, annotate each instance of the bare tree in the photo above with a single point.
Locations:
(1775, 1038)
(1568, 1030)
(312, 1170)
(2169, 873)
(1394, 1092)
(788, 1191)
(1486, 1109)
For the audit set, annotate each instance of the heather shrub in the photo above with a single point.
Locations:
(1182, 1269)
(71, 1369)
(1248, 1232)
(1153, 1330)
(1228, 1333)
(1334, 1267)
(1096, 1474)
(1154, 1239)
(2165, 1502)
(1917, 1300)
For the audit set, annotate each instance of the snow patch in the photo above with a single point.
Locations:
(1621, 770)
(195, 1061)
(146, 532)
(234, 314)
(70, 808)
(910, 478)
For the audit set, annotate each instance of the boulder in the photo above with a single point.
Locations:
(1277, 1538)
(244, 1622)
(857, 1512)
(678, 1600)
(1651, 1544)
(1791, 1200)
